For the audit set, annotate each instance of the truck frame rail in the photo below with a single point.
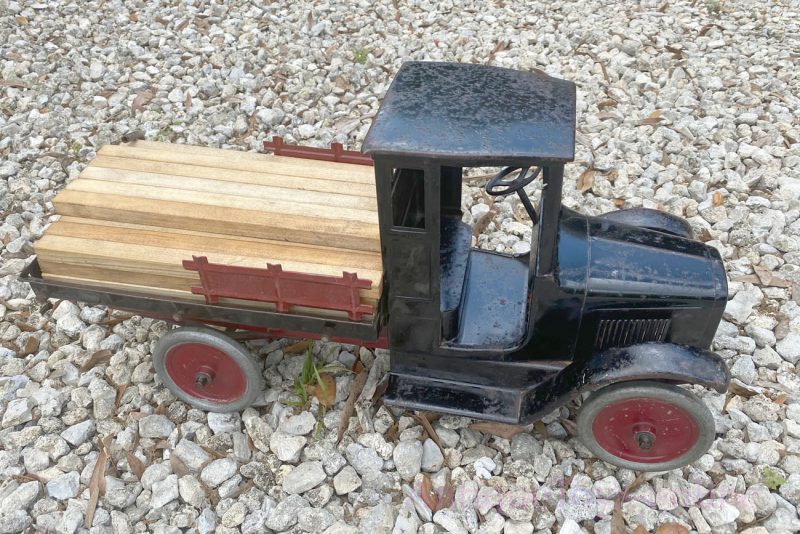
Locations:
(186, 311)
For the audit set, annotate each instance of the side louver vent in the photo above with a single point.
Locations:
(623, 332)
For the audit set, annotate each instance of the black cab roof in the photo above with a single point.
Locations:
(474, 114)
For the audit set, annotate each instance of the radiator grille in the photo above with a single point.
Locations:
(623, 332)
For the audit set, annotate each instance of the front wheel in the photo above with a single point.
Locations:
(646, 426)
(207, 369)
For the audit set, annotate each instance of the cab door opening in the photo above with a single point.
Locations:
(483, 293)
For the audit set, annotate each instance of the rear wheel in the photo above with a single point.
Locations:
(646, 426)
(207, 369)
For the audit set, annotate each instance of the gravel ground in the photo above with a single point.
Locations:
(690, 107)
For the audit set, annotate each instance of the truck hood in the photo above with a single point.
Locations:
(630, 262)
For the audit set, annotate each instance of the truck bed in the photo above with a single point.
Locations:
(138, 211)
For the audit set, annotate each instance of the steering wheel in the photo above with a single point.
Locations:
(499, 186)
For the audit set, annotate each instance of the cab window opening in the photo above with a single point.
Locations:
(408, 198)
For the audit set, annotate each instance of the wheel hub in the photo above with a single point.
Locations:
(204, 376)
(645, 430)
(205, 372)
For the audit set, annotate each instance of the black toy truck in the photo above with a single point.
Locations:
(622, 307)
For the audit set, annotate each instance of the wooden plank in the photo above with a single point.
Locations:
(229, 201)
(106, 163)
(309, 229)
(311, 249)
(159, 261)
(201, 243)
(54, 267)
(246, 155)
(248, 161)
(58, 267)
(252, 192)
(173, 294)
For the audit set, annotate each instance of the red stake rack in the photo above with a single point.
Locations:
(283, 288)
(335, 153)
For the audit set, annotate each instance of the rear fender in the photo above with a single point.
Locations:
(667, 362)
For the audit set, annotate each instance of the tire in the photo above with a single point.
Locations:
(651, 219)
(207, 369)
(646, 426)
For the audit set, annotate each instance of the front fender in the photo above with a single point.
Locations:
(647, 361)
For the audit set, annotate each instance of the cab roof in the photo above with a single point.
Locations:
(473, 114)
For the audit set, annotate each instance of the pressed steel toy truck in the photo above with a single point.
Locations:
(622, 306)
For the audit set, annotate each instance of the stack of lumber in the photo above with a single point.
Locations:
(138, 210)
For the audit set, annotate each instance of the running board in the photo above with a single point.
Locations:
(456, 398)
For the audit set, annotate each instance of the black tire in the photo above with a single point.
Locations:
(231, 377)
(619, 409)
(651, 219)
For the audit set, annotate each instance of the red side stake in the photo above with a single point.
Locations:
(283, 288)
(335, 153)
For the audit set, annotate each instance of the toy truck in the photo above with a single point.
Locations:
(619, 309)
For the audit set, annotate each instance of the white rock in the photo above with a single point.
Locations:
(432, 458)
(64, 487)
(521, 247)
(666, 499)
(78, 433)
(15, 521)
(406, 522)
(224, 422)
(192, 492)
(155, 473)
(789, 347)
(306, 131)
(346, 481)
(218, 471)
(487, 498)
(298, 425)
(422, 509)
(484, 467)
(191, 454)
(478, 211)
(718, 512)
(451, 521)
(18, 411)
(71, 325)
(638, 513)
(64, 308)
(286, 447)
(607, 488)
(741, 305)
(8, 168)
(517, 505)
(570, 527)
(155, 426)
(407, 458)
(285, 514)
(96, 69)
(175, 96)
(19, 499)
(304, 477)
(164, 492)
(744, 369)
(379, 519)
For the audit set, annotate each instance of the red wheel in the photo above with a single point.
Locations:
(646, 426)
(207, 369)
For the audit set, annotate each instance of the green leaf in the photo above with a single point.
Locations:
(307, 373)
(300, 390)
(335, 368)
(320, 424)
(320, 382)
(772, 478)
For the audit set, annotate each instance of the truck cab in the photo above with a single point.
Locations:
(482, 332)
